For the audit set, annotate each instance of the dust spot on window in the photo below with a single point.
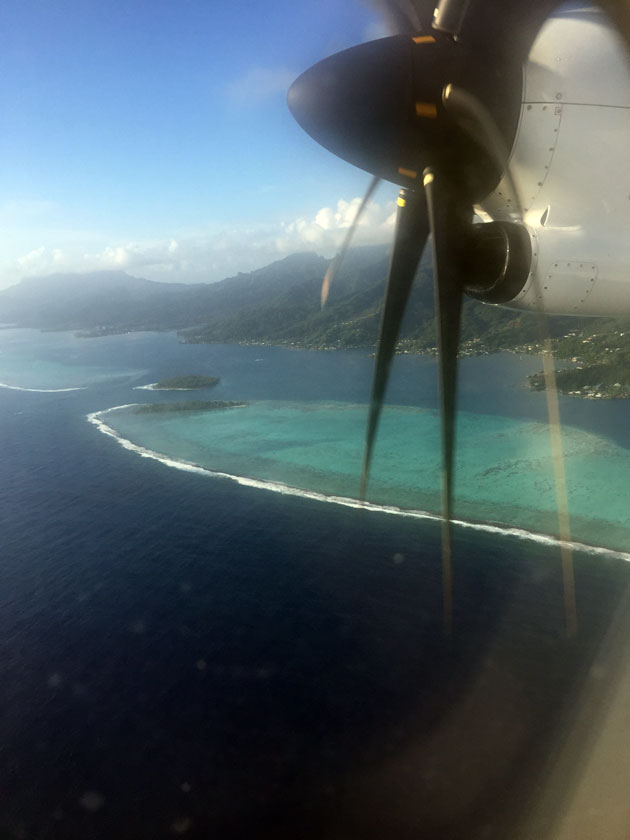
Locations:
(597, 672)
(92, 800)
(55, 680)
(181, 825)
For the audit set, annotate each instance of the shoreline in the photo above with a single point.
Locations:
(470, 349)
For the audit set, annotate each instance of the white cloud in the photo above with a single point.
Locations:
(215, 253)
(260, 83)
(325, 232)
(33, 259)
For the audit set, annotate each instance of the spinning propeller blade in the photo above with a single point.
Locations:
(475, 119)
(412, 230)
(449, 16)
(402, 16)
(449, 219)
(334, 266)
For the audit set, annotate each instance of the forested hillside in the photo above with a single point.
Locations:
(277, 304)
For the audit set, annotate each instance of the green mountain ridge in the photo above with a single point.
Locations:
(277, 304)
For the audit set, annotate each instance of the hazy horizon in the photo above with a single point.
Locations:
(138, 276)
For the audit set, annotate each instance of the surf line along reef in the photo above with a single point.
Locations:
(188, 405)
(188, 382)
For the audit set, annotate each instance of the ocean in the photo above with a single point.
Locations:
(252, 654)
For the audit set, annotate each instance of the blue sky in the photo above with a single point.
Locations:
(155, 137)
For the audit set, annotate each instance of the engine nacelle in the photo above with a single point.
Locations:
(571, 166)
(497, 261)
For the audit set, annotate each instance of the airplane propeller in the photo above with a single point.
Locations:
(416, 111)
(421, 109)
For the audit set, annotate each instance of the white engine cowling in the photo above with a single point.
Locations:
(571, 166)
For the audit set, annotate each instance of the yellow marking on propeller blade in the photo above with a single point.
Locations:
(428, 179)
(401, 201)
(426, 109)
(410, 173)
(424, 39)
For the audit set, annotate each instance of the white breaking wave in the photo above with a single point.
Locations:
(288, 490)
(41, 390)
(153, 387)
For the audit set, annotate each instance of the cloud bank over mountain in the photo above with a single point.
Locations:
(204, 255)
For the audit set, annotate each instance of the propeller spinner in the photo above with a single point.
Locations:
(421, 111)
(380, 107)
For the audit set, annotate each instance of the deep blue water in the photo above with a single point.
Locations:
(187, 657)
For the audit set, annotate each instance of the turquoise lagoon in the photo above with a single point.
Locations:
(315, 446)
(504, 471)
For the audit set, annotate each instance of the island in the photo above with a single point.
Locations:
(185, 383)
(189, 405)
(601, 365)
(595, 382)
